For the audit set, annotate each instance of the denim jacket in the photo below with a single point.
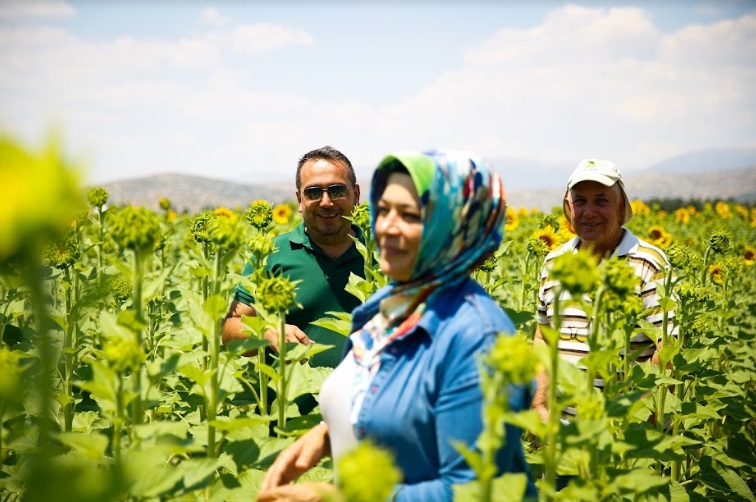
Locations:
(426, 394)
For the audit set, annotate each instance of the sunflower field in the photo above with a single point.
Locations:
(114, 384)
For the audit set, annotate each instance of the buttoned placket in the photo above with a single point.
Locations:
(388, 359)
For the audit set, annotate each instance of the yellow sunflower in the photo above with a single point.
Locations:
(282, 214)
(722, 209)
(548, 236)
(717, 273)
(640, 208)
(566, 232)
(513, 221)
(682, 215)
(522, 211)
(224, 212)
(171, 215)
(659, 237)
(749, 255)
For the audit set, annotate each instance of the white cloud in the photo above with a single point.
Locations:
(602, 82)
(589, 79)
(212, 16)
(35, 9)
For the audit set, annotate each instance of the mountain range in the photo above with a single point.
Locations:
(710, 174)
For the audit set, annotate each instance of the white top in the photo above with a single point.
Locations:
(335, 406)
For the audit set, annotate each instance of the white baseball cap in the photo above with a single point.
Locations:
(602, 171)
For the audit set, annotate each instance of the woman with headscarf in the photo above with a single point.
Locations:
(409, 380)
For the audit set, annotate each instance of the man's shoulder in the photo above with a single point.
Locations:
(638, 249)
(567, 247)
(295, 235)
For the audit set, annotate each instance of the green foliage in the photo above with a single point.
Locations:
(114, 384)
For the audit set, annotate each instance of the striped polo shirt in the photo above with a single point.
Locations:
(647, 261)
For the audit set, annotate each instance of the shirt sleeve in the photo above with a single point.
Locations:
(240, 292)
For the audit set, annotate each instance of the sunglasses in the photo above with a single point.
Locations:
(337, 191)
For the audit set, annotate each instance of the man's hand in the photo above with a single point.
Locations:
(293, 335)
(233, 328)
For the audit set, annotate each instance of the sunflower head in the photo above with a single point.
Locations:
(282, 214)
(749, 255)
(640, 208)
(717, 273)
(224, 212)
(722, 209)
(513, 220)
(548, 236)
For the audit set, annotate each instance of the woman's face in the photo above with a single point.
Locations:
(398, 227)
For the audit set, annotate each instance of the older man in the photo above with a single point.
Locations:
(597, 207)
(320, 252)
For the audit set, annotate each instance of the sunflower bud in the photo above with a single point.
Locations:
(719, 241)
(120, 288)
(513, 356)
(618, 277)
(260, 246)
(276, 294)
(361, 217)
(260, 214)
(198, 227)
(97, 197)
(537, 247)
(678, 256)
(576, 272)
(123, 354)
(63, 253)
(224, 233)
(164, 203)
(135, 228)
(490, 264)
(384, 474)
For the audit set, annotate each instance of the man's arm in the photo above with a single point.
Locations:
(540, 398)
(233, 326)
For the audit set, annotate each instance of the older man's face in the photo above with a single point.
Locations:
(596, 212)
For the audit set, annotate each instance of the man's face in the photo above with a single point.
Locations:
(596, 212)
(324, 217)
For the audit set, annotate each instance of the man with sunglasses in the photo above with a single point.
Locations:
(319, 252)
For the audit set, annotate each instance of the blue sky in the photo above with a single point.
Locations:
(239, 90)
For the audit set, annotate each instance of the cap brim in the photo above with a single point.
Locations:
(593, 176)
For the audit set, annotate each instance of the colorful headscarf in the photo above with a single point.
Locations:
(463, 211)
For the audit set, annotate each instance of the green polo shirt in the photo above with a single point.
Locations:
(321, 290)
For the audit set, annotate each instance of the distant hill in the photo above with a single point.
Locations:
(712, 159)
(738, 184)
(194, 193)
(527, 174)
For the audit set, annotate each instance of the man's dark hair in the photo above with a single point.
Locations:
(326, 153)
